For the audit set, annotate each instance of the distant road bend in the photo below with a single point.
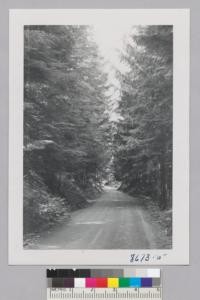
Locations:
(113, 221)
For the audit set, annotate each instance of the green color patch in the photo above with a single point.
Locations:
(124, 282)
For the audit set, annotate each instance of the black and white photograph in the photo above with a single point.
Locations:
(98, 136)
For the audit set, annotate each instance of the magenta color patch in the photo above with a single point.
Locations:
(90, 282)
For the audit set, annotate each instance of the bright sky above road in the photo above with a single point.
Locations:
(110, 39)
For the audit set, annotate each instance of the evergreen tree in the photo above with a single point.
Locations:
(143, 139)
(65, 128)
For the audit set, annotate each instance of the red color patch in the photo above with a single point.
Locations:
(101, 282)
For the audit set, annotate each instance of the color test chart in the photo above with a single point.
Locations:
(108, 284)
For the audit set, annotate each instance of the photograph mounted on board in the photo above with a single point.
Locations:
(98, 136)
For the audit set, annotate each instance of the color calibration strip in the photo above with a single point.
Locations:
(100, 278)
(126, 272)
(104, 284)
(124, 282)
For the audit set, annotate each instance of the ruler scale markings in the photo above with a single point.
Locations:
(80, 293)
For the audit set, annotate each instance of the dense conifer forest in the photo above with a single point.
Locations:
(143, 138)
(65, 122)
(72, 147)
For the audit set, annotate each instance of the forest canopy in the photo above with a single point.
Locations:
(65, 121)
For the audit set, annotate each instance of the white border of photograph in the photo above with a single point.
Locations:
(179, 254)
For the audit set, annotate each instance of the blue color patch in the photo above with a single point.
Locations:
(146, 282)
(135, 282)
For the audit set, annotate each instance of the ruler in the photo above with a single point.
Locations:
(104, 293)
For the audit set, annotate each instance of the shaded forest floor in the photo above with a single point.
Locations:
(30, 239)
(163, 220)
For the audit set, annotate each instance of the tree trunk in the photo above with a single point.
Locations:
(163, 182)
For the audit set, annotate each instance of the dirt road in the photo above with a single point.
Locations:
(113, 221)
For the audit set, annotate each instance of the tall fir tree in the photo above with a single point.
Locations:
(65, 152)
(143, 139)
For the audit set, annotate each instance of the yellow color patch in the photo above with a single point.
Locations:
(113, 282)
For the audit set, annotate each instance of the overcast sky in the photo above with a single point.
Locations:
(110, 40)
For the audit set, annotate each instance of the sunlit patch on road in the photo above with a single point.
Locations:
(92, 201)
(90, 223)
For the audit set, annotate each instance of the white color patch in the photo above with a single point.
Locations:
(154, 273)
(79, 282)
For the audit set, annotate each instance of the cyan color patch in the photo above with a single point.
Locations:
(135, 282)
